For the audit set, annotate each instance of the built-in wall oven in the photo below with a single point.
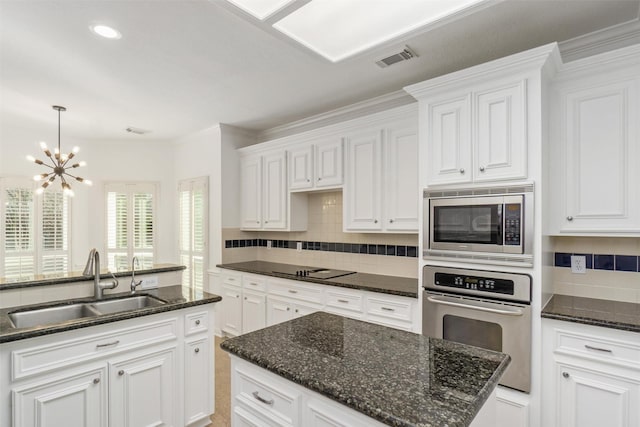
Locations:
(485, 309)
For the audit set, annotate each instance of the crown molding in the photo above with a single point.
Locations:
(607, 39)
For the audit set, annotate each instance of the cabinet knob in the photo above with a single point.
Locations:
(461, 170)
(375, 221)
(257, 222)
(569, 218)
(237, 296)
(120, 372)
(308, 180)
(319, 179)
(565, 374)
(197, 350)
(245, 298)
(266, 222)
(96, 380)
(198, 322)
(297, 311)
(288, 308)
(481, 168)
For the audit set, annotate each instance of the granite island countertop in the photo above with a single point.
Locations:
(596, 312)
(393, 285)
(176, 298)
(398, 378)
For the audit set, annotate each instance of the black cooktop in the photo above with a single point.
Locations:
(315, 272)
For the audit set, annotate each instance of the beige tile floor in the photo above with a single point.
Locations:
(222, 415)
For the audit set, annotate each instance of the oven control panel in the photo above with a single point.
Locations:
(512, 216)
(475, 283)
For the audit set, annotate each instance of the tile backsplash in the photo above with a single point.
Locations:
(325, 244)
(612, 267)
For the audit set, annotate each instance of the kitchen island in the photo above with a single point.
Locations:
(349, 372)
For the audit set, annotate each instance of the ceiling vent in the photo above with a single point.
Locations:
(403, 55)
(137, 131)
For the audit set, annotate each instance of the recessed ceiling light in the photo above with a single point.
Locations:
(105, 31)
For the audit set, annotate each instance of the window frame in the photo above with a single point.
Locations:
(188, 185)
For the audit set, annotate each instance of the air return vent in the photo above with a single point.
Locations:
(137, 131)
(403, 55)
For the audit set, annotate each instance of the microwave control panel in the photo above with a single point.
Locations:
(512, 220)
(475, 283)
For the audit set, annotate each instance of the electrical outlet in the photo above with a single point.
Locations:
(578, 264)
(149, 282)
(299, 246)
(268, 244)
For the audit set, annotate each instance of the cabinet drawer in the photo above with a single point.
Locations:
(196, 322)
(272, 398)
(345, 300)
(257, 283)
(598, 347)
(231, 278)
(297, 290)
(47, 357)
(389, 307)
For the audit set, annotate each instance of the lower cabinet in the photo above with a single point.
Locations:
(254, 310)
(231, 319)
(150, 370)
(591, 376)
(280, 309)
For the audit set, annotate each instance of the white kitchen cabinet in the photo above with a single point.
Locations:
(75, 399)
(592, 376)
(254, 310)
(142, 388)
(198, 370)
(595, 147)
(315, 165)
(251, 192)
(231, 309)
(281, 309)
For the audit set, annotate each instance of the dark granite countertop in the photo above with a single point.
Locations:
(393, 285)
(76, 276)
(597, 312)
(396, 377)
(177, 297)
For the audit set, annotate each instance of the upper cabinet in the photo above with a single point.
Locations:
(381, 183)
(594, 150)
(315, 165)
(476, 124)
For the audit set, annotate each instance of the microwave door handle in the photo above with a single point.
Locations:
(469, 304)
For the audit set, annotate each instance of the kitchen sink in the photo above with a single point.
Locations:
(45, 316)
(126, 304)
(66, 312)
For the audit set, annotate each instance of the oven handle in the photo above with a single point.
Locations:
(468, 304)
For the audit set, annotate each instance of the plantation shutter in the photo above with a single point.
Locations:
(18, 230)
(193, 220)
(55, 232)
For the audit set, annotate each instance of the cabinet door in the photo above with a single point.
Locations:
(142, 390)
(300, 163)
(300, 310)
(401, 177)
(198, 371)
(251, 192)
(501, 133)
(254, 311)
(449, 141)
(591, 399)
(600, 160)
(278, 311)
(328, 164)
(77, 399)
(362, 190)
(275, 191)
(231, 322)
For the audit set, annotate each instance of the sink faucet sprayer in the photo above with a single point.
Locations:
(93, 268)
(134, 284)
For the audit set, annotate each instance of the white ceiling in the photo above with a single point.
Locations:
(182, 66)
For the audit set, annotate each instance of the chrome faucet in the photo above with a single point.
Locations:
(93, 268)
(134, 284)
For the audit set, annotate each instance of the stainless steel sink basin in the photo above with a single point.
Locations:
(49, 315)
(63, 313)
(126, 304)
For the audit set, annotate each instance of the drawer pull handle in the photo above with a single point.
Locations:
(344, 301)
(253, 283)
(604, 350)
(291, 291)
(96, 380)
(109, 344)
(197, 350)
(197, 322)
(565, 374)
(387, 309)
(262, 399)
(121, 372)
(245, 298)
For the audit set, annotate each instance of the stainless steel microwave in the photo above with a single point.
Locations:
(493, 224)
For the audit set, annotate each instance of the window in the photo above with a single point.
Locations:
(35, 230)
(193, 213)
(130, 224)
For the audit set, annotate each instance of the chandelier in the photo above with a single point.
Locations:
(59, 164)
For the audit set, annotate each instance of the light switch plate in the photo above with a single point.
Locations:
(299, 246)
(578, 264)
(268, 244)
